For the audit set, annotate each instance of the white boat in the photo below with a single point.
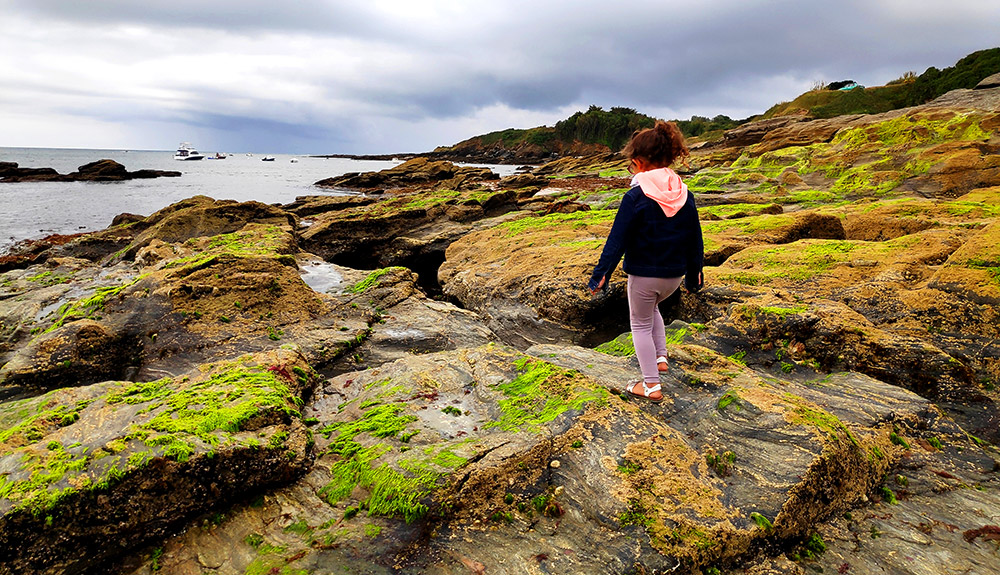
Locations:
(187, 152)
(267, 159)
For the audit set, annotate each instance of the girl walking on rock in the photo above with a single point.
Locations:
(657, 230)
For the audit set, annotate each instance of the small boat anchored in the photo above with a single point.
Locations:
(187, 152)
(267, 159)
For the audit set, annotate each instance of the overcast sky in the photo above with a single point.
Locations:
(384, 76)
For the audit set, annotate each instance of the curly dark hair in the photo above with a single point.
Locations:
(659, 146)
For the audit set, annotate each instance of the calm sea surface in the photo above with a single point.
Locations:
(34, 210)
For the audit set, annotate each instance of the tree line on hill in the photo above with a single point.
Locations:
(614, 127)
(968, 72)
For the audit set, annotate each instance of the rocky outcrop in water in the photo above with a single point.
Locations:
(412, 382)
(99, 171)
(412, 172)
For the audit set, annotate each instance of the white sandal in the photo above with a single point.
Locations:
(646, 391)
(663, 360)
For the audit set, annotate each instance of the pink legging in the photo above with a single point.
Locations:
(648, 335)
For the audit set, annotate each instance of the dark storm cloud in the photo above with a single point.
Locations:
(234, 131)
(669, 56)
(353, 73)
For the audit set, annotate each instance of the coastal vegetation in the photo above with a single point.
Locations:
(611, 128)
(597, 128)
(908, 90)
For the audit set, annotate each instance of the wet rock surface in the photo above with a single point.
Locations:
(410, 381)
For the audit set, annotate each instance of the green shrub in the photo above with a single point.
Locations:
(612, 128)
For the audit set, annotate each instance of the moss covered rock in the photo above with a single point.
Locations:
(89, 473)
(938, 151)
(528, 276)
(192, 301)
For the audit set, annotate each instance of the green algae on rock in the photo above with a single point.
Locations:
(876, 156)
(402, 485)
(215, 435)
(540, 393)
(373, 279)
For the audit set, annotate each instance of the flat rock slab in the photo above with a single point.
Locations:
(494, 461)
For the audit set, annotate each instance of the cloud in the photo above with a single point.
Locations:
(239, 16)
(386, 75)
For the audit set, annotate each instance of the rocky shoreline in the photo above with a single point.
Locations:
(501, 157)
(99, 171)
(415, 379)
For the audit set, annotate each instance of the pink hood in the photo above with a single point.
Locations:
(665, 187)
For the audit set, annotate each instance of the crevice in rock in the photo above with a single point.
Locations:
(340, 360)
(424, 263)
(719, 257)
(608, 319)
(426, 267)
(354, 259)
(881, 229)
(611, 318)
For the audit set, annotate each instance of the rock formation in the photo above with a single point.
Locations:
(99, 171)
(412, 172)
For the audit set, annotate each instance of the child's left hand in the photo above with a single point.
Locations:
(600, 285)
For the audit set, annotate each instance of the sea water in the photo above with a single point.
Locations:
(36, 209)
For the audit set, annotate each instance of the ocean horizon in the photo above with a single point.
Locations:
(32, 210)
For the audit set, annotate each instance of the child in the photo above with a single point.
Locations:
(657, 230)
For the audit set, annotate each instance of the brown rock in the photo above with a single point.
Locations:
(802, 133)
(959, 167)
(305, 206)
(989, 82)
(418, 171)
(126, 218)
(84, 352)
(753, 132)
(523, 181)
(99, 171)
(202, 216)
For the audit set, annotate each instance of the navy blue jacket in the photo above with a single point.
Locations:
(653, 244)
